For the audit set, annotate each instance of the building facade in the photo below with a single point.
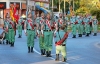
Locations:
(5, 7)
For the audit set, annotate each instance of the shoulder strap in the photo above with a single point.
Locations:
(48, 24)
(59, 35)
(29, 21)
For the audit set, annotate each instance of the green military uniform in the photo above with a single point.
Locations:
(6, 34)
(90, 20)
(19, 27)
(60, 48)
(37, 20)
(30, 36)
(83, 24)
(73, 25)
(87, 26)
(48, 39)
(80, 26)
(95, 21)
(11, 32)
(41, 38)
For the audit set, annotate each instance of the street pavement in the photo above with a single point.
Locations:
(85, 50)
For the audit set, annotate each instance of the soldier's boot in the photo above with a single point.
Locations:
(13, 44)
(6, 41)
(0, 42)
(87, 34)
(74, 36)
(80, 35)
(31, 49)
(9, 42)
(63, 59)
(95, 34)
(83, 33)
(57, 57)
(49, 54)
(28, 49)
(90, 32)
(19, 36)
(42, 52)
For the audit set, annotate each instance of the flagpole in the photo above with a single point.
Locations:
(64, 6)
(26, 9)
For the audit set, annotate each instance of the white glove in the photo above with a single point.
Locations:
(42, 31)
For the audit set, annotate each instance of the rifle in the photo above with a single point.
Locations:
(58, 31)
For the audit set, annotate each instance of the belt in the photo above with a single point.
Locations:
(47, 30)
(10, 28)
(63, 45)
(29, 29)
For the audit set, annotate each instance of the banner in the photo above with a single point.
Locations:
(2, 5)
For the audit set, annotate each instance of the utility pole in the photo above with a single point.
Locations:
(64, 7)
(73, 5)
(59, 5)
(26, 8)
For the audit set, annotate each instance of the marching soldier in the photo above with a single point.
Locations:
(80, 27)
(73, 24)
(11, 29)
(41, 34)
(34, 21)
(90, 23)
(48, 35)
(61, 36)
(83, 24)
(95, 23)
(87, 25)
(61, 21)
(30, 33)
(6, 22)
(19, 27)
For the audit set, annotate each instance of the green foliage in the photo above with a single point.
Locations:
(96, 12)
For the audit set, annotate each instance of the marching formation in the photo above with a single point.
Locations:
(84, 24)
(46, 27)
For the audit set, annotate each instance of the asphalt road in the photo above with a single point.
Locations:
(85, 50)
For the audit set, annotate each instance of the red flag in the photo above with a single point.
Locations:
(15, 14)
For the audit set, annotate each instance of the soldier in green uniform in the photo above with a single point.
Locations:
(41, 34)
(80, 27)
(87, 25)
(83, 24)
(19, 27)
(95, 23)
(48, 35)
(90, 23)
(73, 25)
(11, 29)
(6, 22)
(30, 33)
(61, 21)
(61, 46)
